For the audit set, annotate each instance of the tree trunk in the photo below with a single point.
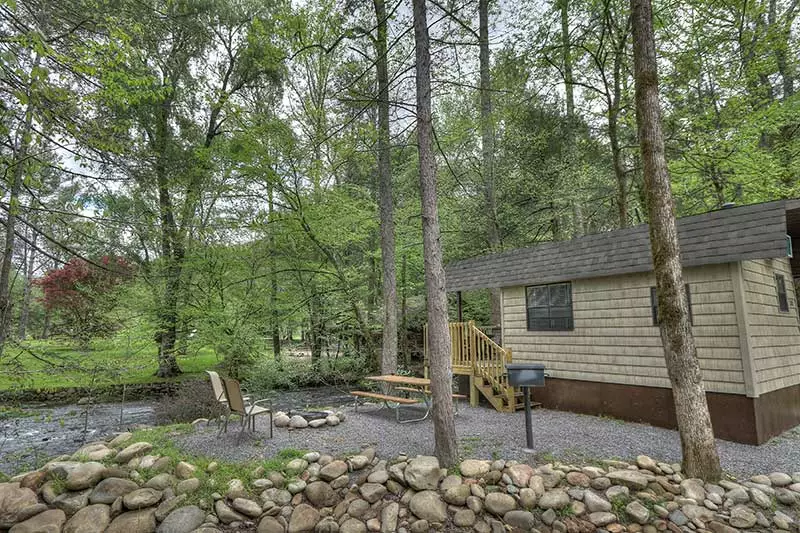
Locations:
(273, 275)
(700, 457)
(19, 163)
(487, 151)
(389, 352)
(444, 430)
(24, 313)
(404, 315)
(171, 252)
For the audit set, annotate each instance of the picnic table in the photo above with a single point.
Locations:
(411, 385)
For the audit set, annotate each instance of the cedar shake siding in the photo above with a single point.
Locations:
(614, 339)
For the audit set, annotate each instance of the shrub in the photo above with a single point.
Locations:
(292, 373)
(194, 399)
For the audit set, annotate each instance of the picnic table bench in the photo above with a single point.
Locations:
(408, 384)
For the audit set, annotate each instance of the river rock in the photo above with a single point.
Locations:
(638, 512)
(281, 420)
(184, 470)
(595, 503)
(91, 519)
(389, 516)
(320, 494)
(629, 478)
(141, 498)
(464, 518)
(72, 502)
(357, 462)
(423, 473)
(742, 517)
(303, 518)
(372, 492)
(457, 495)
(779, 479)
(332, 420)
(134, 450)
(143, 521)
(554, 499)
(236, 489)
(160, 481)
(523, 520)
(520, 474)
(94, 451)
(269, 524)
(182, 520)
(427, 505)
(84, 476)
(187, 486)
(353, 525)
(499, 503)
(247, 507)
(646, 463)
(47, 522)
(473, 467)
(167, 506)
(602, 518)
(332, 470)
(693, 488)
(225, 514)
(110, 489)
(120, 439)
(13, 501)
(298, 422)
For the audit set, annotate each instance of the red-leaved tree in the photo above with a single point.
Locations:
(83, 294)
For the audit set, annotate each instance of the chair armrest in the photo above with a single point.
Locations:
(269, 401)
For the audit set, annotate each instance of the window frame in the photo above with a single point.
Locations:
(783, 298)
(654, 304)
(570, 319)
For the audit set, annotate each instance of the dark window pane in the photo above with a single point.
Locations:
(783, 299)
(549, 307)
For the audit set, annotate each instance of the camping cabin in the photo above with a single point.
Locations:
(587, 309)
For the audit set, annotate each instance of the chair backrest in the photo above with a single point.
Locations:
(234, 393)
(216, 384)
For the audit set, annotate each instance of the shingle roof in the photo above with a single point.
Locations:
(755, 231)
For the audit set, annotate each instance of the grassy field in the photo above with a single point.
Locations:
(54, 364)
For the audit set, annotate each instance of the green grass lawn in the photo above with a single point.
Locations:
(57, 364)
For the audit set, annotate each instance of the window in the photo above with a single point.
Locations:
(549, 307)
(783, 299)
(654, 304)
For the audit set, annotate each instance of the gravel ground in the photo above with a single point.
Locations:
(485, 433)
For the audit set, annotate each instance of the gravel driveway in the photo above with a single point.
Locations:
(485, 433)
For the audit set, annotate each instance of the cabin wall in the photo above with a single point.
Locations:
(774, 335)
(614, 340)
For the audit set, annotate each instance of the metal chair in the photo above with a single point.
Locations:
(247, 411)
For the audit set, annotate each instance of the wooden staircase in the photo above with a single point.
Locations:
(476, 355)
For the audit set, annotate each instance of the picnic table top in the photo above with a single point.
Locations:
(404, 380)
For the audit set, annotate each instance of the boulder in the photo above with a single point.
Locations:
(427, 505)
(120, 439)
(464, 518)
(779, 479)
(161, 481)
(236, 489)
(184, 470)
(423, 473)
(303, 519)
(49, 521)
(693, 488)
(638, 512)
(167, 506)
(84, 476)
(742, 517)
(332, 420)
(91, 519)
(457, 495)
(353, 525)
(646, 463)
(357, 462)
(143, 521)
(13, 501)
(187, 486)
(95, 451)
(499, 503)
(110, 489)
(182, 520)
(316, 423)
